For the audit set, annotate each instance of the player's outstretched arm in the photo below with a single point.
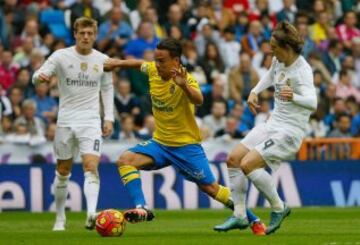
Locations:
(111, 64)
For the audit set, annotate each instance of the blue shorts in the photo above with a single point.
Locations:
(189, 160)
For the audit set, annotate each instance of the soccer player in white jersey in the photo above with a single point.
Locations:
(79, 70)
(279, 139)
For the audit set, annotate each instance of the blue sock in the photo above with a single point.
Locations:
(134, 189)
(251, 216)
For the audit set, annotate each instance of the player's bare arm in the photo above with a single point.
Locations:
(253, 102)
(111, 64)
(179, 77)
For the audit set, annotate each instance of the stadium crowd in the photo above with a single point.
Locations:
(225, 47)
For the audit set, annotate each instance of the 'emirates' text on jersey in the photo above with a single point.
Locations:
(80, 79)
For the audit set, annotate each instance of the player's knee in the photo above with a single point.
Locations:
(245, 166)
(125, 159)
(232, 161)
(63, 170)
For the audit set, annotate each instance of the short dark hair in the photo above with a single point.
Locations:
(286, 34)
(172, 45)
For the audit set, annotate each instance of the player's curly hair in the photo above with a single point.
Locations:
(172, 45)
(287, 35)
(85, 22)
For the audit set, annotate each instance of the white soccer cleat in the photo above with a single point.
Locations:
(90, 221)
(59, 225)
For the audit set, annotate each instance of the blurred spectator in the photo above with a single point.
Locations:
(230, 131)
(229, 48)
(348, 30)
(265, 65)
(288, 11)
(114, 32)
(355, 123)
(241, 25)
(105, 6)
(216, 120)
(22, 57)
(16, 97)
(31, 30)
(190, 61)
(337, 109)
(319, 84)
(146, 40)
(5, 104)
(237, 5)
(46, 106)
(8, 70)
(224, 17)
(136, 15)
(127, 132)
(250, 43)
(50, 132)
(243, 122)
(23, 82)
(175, 32)
(174, 18)
(215, 93)
(83, 8)
(342, 130)
(344, 89)
(316, 64)
(316, 127)
(147, 131)
(319, 31)
(34, 125)
(205, 36)
(125, 101)
(212, 62)
(332, 58)
(152, 16)
(348, 64)
(309, 44)
(242, 79)
(257, 59)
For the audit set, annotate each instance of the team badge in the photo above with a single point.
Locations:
(288, 82)
(83, 66)
(172, 89)
(281, 77)
(96, 68)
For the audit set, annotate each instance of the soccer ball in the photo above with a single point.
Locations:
(110, 222)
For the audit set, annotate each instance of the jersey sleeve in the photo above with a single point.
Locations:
(192, 82)
(304, 91)
(107, 95)
(148, 68)
(49, 68)
(267, 80)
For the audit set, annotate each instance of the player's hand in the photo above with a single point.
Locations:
(253, 103)
(107, 129)
(43, 78)
(179, 76)
(111, 64)
(286, 93)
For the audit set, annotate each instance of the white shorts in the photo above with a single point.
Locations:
(274, 146)
(69, 141)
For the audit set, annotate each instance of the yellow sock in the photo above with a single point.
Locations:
(128, 173)
(224, 196)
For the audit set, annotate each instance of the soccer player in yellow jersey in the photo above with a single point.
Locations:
(176, 141)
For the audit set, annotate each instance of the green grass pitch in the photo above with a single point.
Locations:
(332, 226)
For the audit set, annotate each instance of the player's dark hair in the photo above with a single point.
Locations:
(287, 35)
(172, 45)
(85, 22)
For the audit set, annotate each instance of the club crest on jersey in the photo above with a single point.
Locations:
(281, 77)
(288, 82)
(96, 68)
(172, 89)
(83, 66)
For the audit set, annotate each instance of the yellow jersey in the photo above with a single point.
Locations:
(173, 112)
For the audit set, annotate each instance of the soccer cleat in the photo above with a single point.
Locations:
(232, 223)
(138, 215)
(90, 221)
(59, 225)
(258, 228)
(276, 218)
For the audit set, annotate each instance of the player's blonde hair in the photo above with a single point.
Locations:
(83, 22)
(287, 35)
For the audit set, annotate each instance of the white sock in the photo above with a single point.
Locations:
(91, 190)
(60, 193)
(264, 183)
(238, 186)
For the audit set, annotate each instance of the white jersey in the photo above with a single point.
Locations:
(80, 81)
(290, 116)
